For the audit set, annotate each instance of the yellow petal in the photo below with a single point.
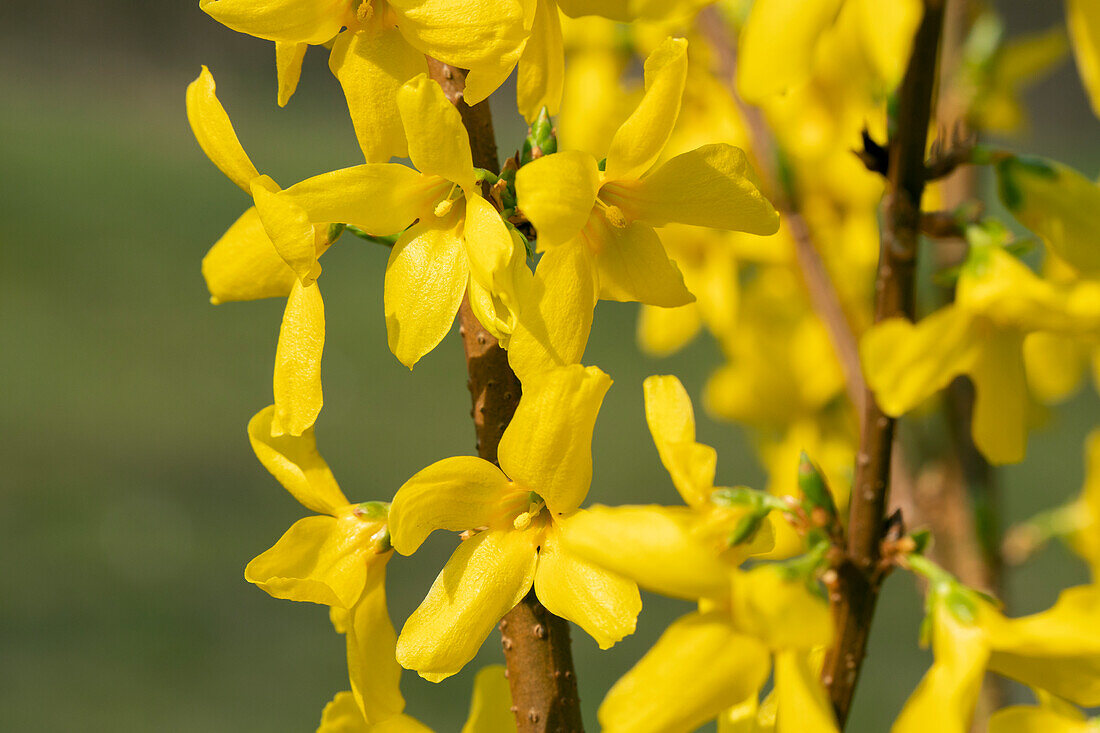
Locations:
(547, 448)
(484, 579)
(438, 143)
(557, 193)
(1031, 719)
(887, 30)
(780, 610)
(711, 186)
(665, 556)
(1000, 399)
(603, 603)
(296, 464)
(556, 316)
(297, 383)
(425, 279)
(803, 703)
(379, 198)
(288, 66)
(489, 245)
(215, 132)
(320, 559)
(633, 265)
(945, 698)
(287, 224)
(1057, 650)
(1083, 21)
(639, 141)
(484, 36)
(664, 331)
(342, 715)
(296, 21)
(491, 706)
(243, 264)
(671, 422)
(542, 64)
(1055, 366)
(371, 65)
(906, 364)
(454, 494)
(743, 718)
(698, 667)
(400, 724)
(778, 43)
(372, 667)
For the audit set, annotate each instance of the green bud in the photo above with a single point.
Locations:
(922, 538)
(812, 484)
(746, 527)
(540, 138)
(373, 509)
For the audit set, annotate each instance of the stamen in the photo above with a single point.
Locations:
(444, 207)
(365, 11)
(613, 213)
(523, 521)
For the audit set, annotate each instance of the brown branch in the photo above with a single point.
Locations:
(536, 642)
(858, 576)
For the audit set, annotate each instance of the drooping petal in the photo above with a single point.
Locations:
(779, 610)
(603, 603)
(906, 364)
(633, 265)
(671, 420)
(557, 193)
(297, 382)
(484, 579)
(639, 141)
(489, 245)
(287, 224)
(215, 132)
(886, 32)
(342, 715)
(698, 667)
(664, 556)
(296, 464)
(288, 67)
(243, 264)
(711, 186)
(455, 494)
(425, 279)
(379, 198)
(664, 331)
(547, 448)
(1083, 21)
(556, 317)
(320, 559)
(371, 65)
(296, 21)
(372, 667)
(803, 703)
(1033, 719)
(945, 698)
(490, 707)
(542, 64)
(778, 42)
(400, 724)
(438, 142)
(1000, 400)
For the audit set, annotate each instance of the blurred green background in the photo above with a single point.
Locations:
(130, 500)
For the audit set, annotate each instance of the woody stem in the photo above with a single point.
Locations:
(536, 643)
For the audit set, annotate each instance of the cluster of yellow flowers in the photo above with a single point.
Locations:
(668, 155)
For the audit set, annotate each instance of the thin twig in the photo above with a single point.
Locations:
(536, 642)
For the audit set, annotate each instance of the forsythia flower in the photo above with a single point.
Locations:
(514, 514)
(1085, 511)
(596, 227)
(1053, 716)
(458, 238)
(718, 657)
(1083, 20)
(1057, 650)
(682, 552)
(998, 302)
(490, 711)
(337, 558)
(377, 45)
(272, 247)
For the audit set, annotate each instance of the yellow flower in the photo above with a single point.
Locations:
(1057, 650)
(336, 558)
(1083, 20)
(719, 656)
(458, 237)
(513, 514)
(597, 226)
(1053, 716)
(377, 45)
(683, 552)
(490, 711)
(271, 250)
(1085, 511)
(998, 302)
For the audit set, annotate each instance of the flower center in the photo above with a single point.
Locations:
(534, 507)
(613, 214)
(446, 204)
(365, 11)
